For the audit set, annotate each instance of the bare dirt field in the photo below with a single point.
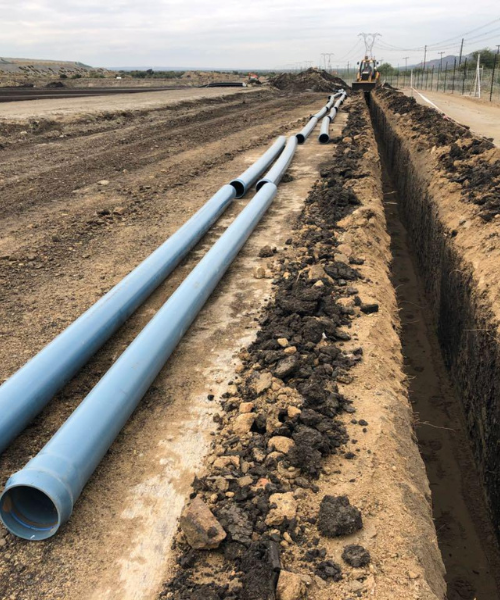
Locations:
(64, 244)
(287, 408)
(78, 107)
(482, 117)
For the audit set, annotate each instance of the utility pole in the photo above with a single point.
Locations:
(330, 54)
(405, 58)
(461, 50)
(477, 79)
(440, 71)
(493, 73)
(425, 56)
(441, 64)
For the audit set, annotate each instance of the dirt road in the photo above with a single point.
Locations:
(67, 240)
(483, 118)
(76, 107)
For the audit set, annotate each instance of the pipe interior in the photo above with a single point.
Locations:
(261, 184)
(324, 138)
(239, 187)
(29, 513)
(300, 138)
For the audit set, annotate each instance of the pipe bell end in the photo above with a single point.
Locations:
(35, 504)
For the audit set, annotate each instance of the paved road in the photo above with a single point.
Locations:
(481, 116)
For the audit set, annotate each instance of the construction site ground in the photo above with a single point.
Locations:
(89, 188)
(481, 116)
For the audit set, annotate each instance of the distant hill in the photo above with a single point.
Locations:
(36, 67)
(436, 62)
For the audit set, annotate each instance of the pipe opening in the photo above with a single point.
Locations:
(29, 513)
(324, 138)
(300, 138)
(261, 184)
(239, 187)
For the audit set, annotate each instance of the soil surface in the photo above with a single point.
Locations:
(483, 118)
(315, 443)
(78, 213)
(43, 109)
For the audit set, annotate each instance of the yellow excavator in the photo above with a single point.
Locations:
(368, 76)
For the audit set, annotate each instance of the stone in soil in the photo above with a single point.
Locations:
(338, 517)
(290, 586)
(328, 569)
(201, 528)
(356, 556)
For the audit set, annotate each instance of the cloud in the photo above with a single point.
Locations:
(236, 33)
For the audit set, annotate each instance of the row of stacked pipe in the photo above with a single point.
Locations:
(39, 498)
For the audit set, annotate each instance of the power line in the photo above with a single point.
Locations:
(439, 45)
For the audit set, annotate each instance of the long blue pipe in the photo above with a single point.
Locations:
(281, 165)
(40, 497)
(245, 181)
(324, 134)
(30, 389)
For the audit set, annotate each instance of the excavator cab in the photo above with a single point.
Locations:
(368, 76)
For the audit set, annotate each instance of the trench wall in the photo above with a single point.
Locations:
(464, 310)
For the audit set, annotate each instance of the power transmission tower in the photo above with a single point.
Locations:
(369, 40)
(330, 54)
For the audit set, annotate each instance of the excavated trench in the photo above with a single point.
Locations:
(448, 376)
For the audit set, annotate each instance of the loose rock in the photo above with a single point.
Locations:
(356, 556)
(201, 528)
(290, 587)
(337, 517)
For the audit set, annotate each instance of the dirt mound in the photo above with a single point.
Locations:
(55, 84)
(282, 420)
(469, 161)
(310, 80)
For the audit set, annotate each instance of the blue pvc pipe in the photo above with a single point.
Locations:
(307, 130)
(321, 113)
(38, 499)
(245, 181)
(324, 134)
(281, 165)
(30, 389)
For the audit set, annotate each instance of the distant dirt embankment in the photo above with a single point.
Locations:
(312, 80)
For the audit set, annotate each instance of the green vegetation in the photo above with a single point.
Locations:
(150, 74)
(487, 58)
(386, 69)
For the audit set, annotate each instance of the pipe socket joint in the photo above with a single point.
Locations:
(35, 503)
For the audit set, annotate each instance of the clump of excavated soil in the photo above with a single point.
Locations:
(311, 80)
(472, 162)
(281, 421)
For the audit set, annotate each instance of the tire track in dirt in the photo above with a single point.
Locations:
(104, 155)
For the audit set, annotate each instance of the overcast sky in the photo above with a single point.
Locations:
(237, 33)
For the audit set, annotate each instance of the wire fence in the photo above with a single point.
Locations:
(464, 80)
